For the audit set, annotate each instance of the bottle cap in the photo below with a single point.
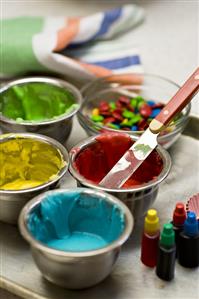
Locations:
(179, 214)
(191, 224)
(151, 224)
(167, 237)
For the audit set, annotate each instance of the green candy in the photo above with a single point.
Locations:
(137, 101)
(133, 102)
(113, 126)
(140, 104)
(112, 105)
(97, 118)
(135, 119)
(128, 124)
(128, 114)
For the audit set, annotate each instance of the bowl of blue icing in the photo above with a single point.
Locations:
(75, 234)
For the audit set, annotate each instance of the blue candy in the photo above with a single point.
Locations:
(150, 103)
(155, 112)
(134, 128)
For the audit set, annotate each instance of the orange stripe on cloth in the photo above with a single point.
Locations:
(135, 79)
(67, 34)
(98, 71)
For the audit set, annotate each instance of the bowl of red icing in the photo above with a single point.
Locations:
(92, 159)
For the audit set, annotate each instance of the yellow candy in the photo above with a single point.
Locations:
(125, 121)
(95, 111)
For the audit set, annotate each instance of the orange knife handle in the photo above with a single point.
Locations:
(177, 103)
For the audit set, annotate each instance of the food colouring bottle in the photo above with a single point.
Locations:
(150, 239)
(179, 216)
(188, 253)
(166, 253)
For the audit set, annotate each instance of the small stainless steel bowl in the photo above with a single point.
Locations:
(138, 199)
(12, 201)
(58, 128)
(75, 270)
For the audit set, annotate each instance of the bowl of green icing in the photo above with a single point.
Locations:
(39, 104)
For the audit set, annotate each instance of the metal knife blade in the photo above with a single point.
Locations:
(130, 161)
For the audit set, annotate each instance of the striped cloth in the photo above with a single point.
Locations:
(80, 47)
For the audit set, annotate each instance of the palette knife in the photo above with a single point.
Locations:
(141, 149)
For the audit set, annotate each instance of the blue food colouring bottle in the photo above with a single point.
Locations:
(188, 253)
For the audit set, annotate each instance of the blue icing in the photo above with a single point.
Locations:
(74, 221)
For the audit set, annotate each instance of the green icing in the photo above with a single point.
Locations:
(143, 148)
(36, 102)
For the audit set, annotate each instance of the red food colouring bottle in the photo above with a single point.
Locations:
(150, 239)
(179, 217)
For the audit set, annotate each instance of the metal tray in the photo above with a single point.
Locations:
(130, 278)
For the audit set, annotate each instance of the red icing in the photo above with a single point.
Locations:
(95, 161)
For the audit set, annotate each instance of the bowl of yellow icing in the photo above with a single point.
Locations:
(30, 164)
(40, 105)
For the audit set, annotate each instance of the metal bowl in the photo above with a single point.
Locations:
(75, 270)
(138, 199)
(150, 87)
(12, 201)
(58, 128)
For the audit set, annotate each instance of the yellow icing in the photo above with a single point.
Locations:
(27, 163)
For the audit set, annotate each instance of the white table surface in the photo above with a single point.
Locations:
(168, 40)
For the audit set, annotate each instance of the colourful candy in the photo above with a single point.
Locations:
(145, 110)
(155, 112)
(95, 111)
(97, 118)
(126, 114)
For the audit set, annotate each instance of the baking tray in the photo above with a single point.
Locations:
(130, 278)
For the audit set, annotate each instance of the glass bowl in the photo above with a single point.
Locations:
(150, 87)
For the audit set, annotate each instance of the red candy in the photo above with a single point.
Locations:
(109, 120)
(103, 106)
(118, 110)
(131, 108)
(124, 100)
(126, 129)
(145, 110)
(158, 105)
(118, 104)
(142, 125)
(117, 116)
(105, 113)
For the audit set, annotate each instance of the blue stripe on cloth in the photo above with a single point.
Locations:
(109, 18)
(118, 63)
